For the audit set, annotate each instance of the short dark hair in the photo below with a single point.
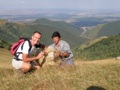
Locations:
(56, 34)
(37, 32)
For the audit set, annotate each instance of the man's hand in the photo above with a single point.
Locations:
(41, 54)
(58, 54)
(61, 54)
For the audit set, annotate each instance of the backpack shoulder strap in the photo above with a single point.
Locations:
(18, 53)
(28, 43)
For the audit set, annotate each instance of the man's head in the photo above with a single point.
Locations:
(36, 37)
(56, 37)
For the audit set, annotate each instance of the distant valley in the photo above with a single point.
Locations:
(77, 28)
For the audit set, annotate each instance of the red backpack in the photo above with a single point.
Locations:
(14, 47)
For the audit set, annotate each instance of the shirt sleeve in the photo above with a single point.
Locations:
(26, 47)
(52, 45)
(66, 47)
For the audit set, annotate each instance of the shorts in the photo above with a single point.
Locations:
(17, 64)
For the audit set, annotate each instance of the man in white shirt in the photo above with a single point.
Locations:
(24, 58)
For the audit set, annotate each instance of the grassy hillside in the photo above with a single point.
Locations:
(109, 29)
(100, 30)
(105, 48)
(4, 44)
(12, 31)
(85, 75)
(92, 31)
(59, 25)
(89, 43)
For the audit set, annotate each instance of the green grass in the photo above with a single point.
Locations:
(85, 75)
(92, 31)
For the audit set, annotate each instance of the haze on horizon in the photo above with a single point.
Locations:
(60, 4)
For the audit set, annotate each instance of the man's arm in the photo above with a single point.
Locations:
(28, 59)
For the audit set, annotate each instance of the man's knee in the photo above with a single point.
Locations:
(26, 66)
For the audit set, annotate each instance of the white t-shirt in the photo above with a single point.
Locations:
(25, 49)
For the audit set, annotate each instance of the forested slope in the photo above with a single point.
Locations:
(103, 49)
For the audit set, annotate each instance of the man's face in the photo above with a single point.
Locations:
(56, 40)
(36, 38)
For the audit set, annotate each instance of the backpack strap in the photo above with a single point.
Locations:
(18, 53)
(28, 43)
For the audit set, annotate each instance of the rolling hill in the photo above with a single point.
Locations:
(108, 29)
(112, 28)
(104, 48)
(12, 31)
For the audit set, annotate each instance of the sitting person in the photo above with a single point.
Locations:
(25, 59)
(64, 51)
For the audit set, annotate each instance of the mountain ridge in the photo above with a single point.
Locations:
(12, 31)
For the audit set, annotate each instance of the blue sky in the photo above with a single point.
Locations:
(60, 4)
